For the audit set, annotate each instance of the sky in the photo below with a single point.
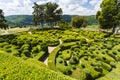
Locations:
(71, 7)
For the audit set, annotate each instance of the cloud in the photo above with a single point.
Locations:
(96, 5)
(76, 7)
(16, 7)
(73, 7)
(93, 2)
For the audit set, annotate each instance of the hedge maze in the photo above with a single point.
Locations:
(84, 55)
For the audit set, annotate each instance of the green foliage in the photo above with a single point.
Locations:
(80, 52)
(15, 68)
(48, 12)
(93, 53)
(79, 22)
(51, 59)
(66, 54)
(63, 24)
(108, 16)
(113, 75)
(73, 60)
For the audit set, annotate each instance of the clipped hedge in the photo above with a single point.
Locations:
(40, 56)
(12, 68)
(52, 57)
(113, 75)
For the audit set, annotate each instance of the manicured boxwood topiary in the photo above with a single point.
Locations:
(52, 57)
(66, 54)
(1, 40)
(26, 53)
(21, 69)
(113, 64)
(87, 47)
(60, 60)
(74, 60)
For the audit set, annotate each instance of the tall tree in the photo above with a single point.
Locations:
(38, 14)
(53, 13)
(109, 16)
(48, 12)
(3, 24)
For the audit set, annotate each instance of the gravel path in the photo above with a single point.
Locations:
(50, 49)
(5, 32)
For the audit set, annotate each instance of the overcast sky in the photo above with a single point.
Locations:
(72, 7)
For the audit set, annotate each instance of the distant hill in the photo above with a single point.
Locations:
(19, 20)
(91, 19)
(23, 20)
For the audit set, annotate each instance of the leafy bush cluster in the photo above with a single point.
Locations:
(83, 54)
(22, 45)
(94, 56)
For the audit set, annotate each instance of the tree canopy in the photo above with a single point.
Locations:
(79, 22)
(109, 16)
(3, 24)
(38, 14)
(49, 13)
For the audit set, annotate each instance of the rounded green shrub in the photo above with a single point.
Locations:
(74, 60)
(109, 47)
(73, 67)
(83, 65)
(118, 50)
(68, 71)
(113, 64)
(8, 50)
(60, 53)
(83, 41)
(97, 59)
(99, 69)
(1, 40)
(35, 50)
(104, 58)
(60, 60)
(26, 52)
(106, 66)
(16, 53)
(86, 58)
(114, 52)
(7, 46)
